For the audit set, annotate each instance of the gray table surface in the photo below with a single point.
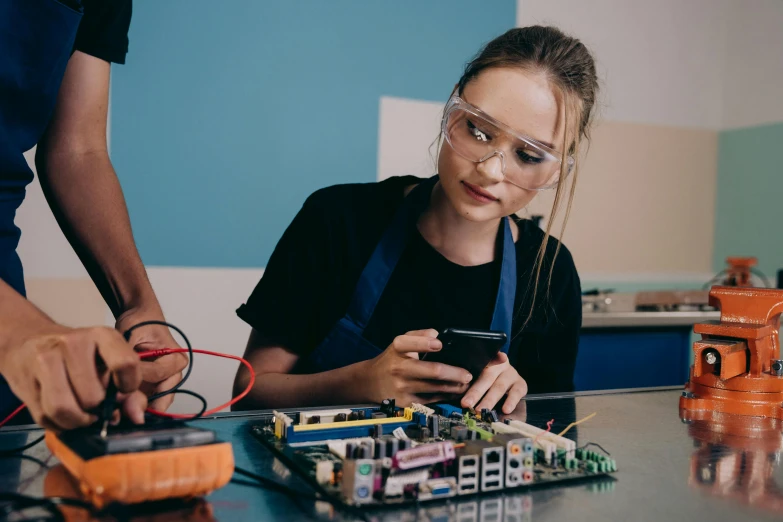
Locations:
(668, 470)
(645, 319)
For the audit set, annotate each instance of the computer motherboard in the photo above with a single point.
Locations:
(388, 455)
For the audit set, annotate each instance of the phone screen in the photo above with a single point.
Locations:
(468, 349)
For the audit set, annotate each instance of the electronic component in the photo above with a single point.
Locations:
(396, 484)
(492, 463)
(437, 488)
(325, 416)
(548, 442)
(145, 463)
(422, 453)
(358, 481)
(459, 433)
(387, 407)
(447, 410)
(519, 459)
(466, 469)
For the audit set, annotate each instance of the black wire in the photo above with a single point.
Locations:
(293, 494)
(761, 276)
(596, 445)
(200, 398)
(177, 386)
(19, 502)
(273, 485)
(15, 451)
(26, 457)
(281, 489)
(714, 279)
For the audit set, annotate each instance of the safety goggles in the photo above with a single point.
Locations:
(477, 136)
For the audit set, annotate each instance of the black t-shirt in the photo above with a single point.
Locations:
(103, 30)
(312, 274)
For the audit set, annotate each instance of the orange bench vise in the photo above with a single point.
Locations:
(737, 367)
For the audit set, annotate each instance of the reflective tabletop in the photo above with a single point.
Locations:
(670, 468)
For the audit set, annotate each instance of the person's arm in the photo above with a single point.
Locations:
(85, 195)
(396, 373)
(60, 373)
(275, 387)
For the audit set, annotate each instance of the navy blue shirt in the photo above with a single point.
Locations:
(103, 33)
(37, 38)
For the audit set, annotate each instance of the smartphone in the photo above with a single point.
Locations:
(468, 349)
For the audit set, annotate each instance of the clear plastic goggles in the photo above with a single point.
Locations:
(477, 136)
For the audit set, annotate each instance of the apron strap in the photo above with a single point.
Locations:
(390, 248)
(378, 271)
(503, 317)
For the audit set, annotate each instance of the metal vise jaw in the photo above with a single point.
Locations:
(737, 367)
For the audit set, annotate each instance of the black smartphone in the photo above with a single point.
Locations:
(468, 349)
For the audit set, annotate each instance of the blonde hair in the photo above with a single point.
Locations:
(570, 68)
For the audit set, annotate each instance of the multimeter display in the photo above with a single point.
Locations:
(88, 444)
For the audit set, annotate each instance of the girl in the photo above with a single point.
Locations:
(362, 264)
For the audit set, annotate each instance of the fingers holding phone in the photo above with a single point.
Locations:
(497, 379)
(398, 372)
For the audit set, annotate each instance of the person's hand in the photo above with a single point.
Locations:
(62, 375)
(160, 373)
(497, 379)
(398, 373)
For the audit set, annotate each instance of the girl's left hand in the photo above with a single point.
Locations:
(498, 378)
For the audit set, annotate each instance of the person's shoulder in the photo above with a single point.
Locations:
(531, 236)
(358, 198)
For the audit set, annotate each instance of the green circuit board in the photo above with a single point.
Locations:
(387, 455)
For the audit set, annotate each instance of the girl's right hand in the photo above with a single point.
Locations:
(399, 374)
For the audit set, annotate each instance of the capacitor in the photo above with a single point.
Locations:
(392, 445)
(435, 425)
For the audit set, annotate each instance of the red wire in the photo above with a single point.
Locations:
(167, 351)
(548, 429)
(158, 353)
(13, 414)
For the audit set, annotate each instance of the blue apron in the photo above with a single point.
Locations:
(345, 344)
(36, 40)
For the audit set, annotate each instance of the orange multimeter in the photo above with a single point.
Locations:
(144, 463)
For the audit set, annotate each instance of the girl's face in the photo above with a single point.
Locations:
(521, 100)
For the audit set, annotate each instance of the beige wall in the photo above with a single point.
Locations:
(72, 302)
(645, 201)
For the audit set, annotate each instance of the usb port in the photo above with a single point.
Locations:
(467, 475)
(492, 472)
(467, 487)
(493, 484)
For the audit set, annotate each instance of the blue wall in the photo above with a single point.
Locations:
(749, 209)
(225, 119)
